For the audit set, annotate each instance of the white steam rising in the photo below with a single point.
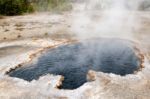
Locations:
(106, 18)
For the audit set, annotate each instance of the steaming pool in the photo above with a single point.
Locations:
(73, 61)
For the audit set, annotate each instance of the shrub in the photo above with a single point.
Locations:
(15, 7)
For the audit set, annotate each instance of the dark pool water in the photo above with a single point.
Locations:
(73, 61)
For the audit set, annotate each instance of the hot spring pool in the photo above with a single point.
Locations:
(73, 61)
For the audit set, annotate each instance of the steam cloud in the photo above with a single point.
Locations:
(106, 18)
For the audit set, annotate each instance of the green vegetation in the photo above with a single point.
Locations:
(17, 7)
(51, 5)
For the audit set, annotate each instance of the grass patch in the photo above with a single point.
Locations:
(52, 5)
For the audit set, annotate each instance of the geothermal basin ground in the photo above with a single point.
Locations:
(40, 59)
